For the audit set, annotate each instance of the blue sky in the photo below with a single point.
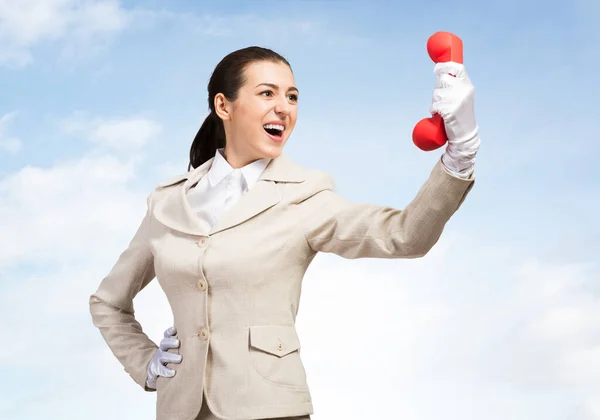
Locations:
(100, 100)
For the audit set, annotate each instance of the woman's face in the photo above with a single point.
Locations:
(262, 118)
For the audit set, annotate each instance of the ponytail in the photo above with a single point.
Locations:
(209, 138)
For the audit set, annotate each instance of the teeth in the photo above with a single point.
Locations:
(274, 126)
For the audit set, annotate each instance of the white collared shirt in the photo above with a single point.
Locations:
(222, 187)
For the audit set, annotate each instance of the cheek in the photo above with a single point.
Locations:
(294, 117)
(248, 116)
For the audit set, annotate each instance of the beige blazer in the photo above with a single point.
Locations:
(235, 290)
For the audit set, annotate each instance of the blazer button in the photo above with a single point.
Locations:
(204, 334)
(202, 285)
(280, 347)
(202, 242)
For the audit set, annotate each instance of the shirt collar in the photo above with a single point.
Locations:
(220, 168)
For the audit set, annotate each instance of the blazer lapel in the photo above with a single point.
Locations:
(263, 195)
(175, 212)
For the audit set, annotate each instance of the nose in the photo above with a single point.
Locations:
(282, 107)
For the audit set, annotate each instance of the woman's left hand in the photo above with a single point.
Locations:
(454, 101)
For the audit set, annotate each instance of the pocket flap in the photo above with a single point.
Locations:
(278, 340)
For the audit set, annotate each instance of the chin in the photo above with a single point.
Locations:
(272, 151)
(272, 154)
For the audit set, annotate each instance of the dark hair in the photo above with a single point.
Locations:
(227, 78)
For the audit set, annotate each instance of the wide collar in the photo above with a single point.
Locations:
(174, 211)
(220, 168)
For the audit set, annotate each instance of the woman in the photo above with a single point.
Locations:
(230, 240)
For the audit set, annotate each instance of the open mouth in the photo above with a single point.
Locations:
(274, 130)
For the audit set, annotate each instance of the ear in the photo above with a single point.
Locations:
(222, 107)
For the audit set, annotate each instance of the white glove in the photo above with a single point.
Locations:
(453, 100)
(158, 364)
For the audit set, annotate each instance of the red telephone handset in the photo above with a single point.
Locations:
(429, 133)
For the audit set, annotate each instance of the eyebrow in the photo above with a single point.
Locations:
(273, 86)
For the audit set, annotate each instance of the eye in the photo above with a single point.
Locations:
(268, 92)
(293, 97)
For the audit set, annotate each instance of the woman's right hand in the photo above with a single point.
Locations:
(158, 364)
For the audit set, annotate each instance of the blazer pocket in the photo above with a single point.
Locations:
(275, 355)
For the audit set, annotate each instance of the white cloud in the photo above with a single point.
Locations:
(560, 318)
(313, 30)
(62, 228)
(168, 170)
(9, 144)
(51, 214)
(452, 324)
(116, 133)
(79, 24)
(82, 28)
(590, 409)
(125, 133)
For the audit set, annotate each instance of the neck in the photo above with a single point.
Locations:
(236, 160)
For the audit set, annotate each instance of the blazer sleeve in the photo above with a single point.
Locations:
(364, 230)
(111, 306)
